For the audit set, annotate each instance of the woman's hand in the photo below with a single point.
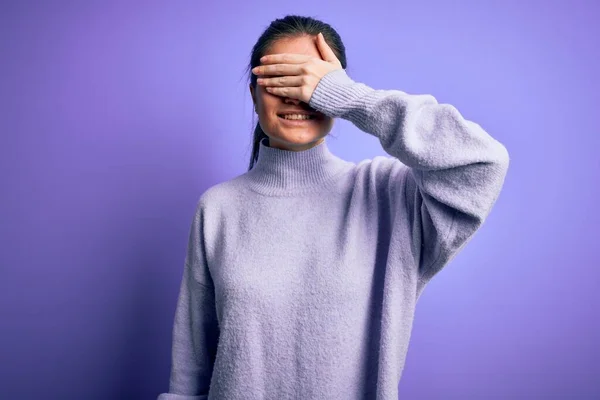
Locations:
(302, 73)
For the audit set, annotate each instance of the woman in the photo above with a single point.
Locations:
(302, 274)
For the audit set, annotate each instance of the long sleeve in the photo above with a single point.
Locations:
(195, 328)
(448, 171)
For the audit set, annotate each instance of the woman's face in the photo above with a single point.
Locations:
(292, 135)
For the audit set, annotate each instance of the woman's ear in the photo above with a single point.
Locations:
(252, 93)
(253, 98)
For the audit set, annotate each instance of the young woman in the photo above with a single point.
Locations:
(302, 274)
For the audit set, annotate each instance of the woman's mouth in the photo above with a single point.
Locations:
(297, 116)
(297, 119)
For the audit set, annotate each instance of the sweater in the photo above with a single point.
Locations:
(302, 275)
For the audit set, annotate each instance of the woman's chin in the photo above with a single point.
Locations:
(295, 141)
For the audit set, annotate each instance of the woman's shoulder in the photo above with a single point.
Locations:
(221, 193)
(380, 170)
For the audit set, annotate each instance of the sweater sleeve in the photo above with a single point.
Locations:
(195, 329)
(447, 172)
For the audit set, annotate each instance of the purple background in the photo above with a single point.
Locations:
(116, 117)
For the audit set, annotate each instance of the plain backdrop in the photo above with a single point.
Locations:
(116, 116)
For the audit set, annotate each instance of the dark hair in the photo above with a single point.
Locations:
(291, 26)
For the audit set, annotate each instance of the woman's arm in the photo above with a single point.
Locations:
(195, 329)
(455, 169)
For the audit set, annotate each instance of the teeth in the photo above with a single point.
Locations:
(297, 116)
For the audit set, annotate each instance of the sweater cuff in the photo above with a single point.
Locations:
(336, 93)
(173, 396)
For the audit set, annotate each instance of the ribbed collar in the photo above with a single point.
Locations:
(285, 172)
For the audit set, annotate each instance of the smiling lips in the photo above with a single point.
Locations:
(298, 120)
(297, 117)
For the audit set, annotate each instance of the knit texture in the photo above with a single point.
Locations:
(302, 275)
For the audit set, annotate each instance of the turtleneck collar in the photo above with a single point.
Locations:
(286, 172)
